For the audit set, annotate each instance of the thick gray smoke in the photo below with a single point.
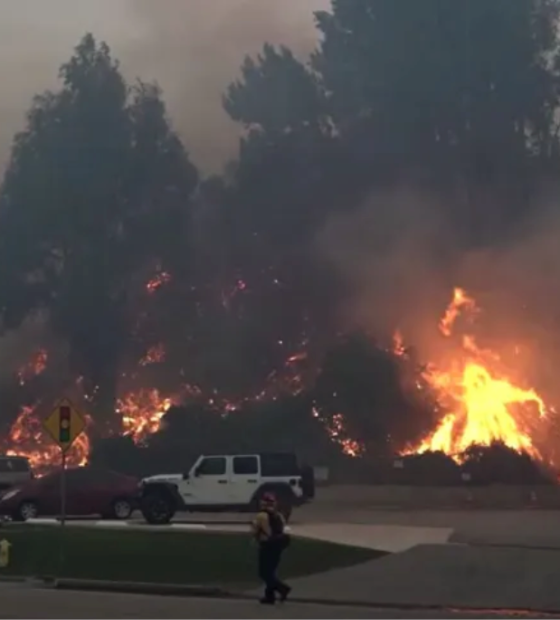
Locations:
(392, 253)
(193, 48)
(401, 261)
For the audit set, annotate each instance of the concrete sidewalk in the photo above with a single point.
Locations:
(453, 576)
(390, 538)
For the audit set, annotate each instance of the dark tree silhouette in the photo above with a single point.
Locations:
(95, 194)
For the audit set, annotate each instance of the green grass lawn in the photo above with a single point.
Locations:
(161, 557)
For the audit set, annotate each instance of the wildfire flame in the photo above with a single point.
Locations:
(142, 413)
(483, 406)
(28, 438)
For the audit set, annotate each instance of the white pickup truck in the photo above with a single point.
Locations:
(227, 483)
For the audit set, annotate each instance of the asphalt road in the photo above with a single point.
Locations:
(25, 602)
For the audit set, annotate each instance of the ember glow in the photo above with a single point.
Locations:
(230, 294)
(159, 280)
(336, 430)
(35, 366)
(483, 405)
(154, 355)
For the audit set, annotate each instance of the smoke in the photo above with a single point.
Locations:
(392, 253)
(35, 39)
(400, 258)
(192, 48)
(518, 289)
(20, 347)
(195, 48)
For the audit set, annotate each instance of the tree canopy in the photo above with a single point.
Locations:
(96, 194)
(460, 97)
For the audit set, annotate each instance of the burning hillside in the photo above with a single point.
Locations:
(481, 403)
(140, 411)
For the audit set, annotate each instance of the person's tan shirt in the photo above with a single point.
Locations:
(261, 526)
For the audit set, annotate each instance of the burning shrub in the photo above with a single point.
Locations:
(188, 431)
(499, 464)
(371, 387)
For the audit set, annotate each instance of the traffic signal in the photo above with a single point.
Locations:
(64, 422)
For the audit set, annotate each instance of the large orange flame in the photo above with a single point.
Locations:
(483, 405)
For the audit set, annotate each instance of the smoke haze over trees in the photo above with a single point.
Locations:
(192, 48)
(417, 146)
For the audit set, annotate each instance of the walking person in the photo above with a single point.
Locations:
(269, 531)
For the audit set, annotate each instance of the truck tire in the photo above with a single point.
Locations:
(157, 507)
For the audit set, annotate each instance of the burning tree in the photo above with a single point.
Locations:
(372, 399)
(97, 189)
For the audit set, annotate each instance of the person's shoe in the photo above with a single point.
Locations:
(267, 601)
(285, 593)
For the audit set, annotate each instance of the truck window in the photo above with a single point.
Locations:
(279, 465)
(246, 465)
(212, 466)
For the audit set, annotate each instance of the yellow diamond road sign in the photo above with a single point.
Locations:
(64, 424)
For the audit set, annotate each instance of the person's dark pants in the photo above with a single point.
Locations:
(270, 555)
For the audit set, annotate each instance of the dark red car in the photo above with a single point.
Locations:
(89, 491)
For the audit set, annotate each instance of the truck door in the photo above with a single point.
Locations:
(245, 478)
(209, 482)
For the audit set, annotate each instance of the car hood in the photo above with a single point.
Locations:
(173, 478)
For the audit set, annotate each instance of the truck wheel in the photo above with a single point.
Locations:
(157, 508)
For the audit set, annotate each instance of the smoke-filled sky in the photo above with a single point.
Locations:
(193, 48)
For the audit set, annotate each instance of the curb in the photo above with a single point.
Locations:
(117, 524)
(133, 587)
(126, 587)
